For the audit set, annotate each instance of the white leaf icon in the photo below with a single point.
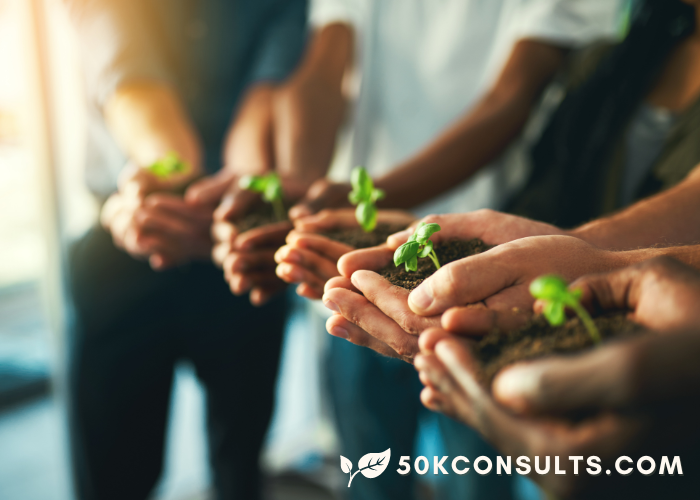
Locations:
(345, 464)
(373, 464)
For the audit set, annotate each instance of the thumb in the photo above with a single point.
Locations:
(136, 182)
(322, 194)
(210, 190)
(466, 281)
(598, 379)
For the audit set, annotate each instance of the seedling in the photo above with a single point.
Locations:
(556, 294)
(168, 166)
(365, 196)
(417, 246)
(270, 187)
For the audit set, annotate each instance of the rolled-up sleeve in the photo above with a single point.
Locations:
(324, 12)
(283, 43)
(572, 23)
(117, 45)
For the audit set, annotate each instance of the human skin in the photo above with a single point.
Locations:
(310, 259)
(638, 392)
(289, 128)
(149, 121)
(468, 293)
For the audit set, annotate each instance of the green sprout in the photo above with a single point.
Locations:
(270, 187)
(168, 166)
(418, 245)
(555, 293)
(365, 196)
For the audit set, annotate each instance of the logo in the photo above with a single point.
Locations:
(371, 465)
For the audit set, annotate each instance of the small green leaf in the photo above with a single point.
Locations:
(273, 188)
(377, 194)
(412, 264)
(426, 250)
(366, 215)
(554, 312)
(169, 165)
(361, 183)
(549, 287)
(424, 232)
(405, 253)
(254, 183)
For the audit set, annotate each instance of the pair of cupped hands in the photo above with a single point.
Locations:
(623, 384)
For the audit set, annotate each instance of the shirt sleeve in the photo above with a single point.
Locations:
(282, 44)
(324, 12)
(573, 23)
(117, 45)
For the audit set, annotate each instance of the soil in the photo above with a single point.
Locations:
(538, 339)
(261, 215)
(356, 237)
(446, 253)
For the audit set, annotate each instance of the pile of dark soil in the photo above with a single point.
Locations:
(446, 253)
(538, 339)
(356, 237)
(261, 215)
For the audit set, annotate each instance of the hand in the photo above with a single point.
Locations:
(311, 259)
(500, 278)
(379, 319)
(154, 225)
(322, 194)
(493, 228)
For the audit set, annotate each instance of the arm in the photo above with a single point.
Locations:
(482, 134)
(668, 218)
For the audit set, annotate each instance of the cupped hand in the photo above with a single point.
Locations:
(490, 226)
(378, 318)
(311, 259)
(500, 277)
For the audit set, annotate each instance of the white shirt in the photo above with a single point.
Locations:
(421, 64)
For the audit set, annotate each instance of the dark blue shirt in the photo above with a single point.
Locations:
(210, 50)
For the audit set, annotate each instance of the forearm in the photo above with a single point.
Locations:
(689, 255)
(481, 135)
(669, 218)
(149, 120)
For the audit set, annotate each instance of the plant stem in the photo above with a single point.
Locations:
(352, 476)
(433, 257)
(587, 322)
(278, 207)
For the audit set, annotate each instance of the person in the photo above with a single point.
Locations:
(434, 75)
(192, 79)
(498, 279)
(638, 394)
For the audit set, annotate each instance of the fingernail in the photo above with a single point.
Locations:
(422, 297)
(331, 305)
(339, 332)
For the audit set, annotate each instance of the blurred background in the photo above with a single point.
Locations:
(44, 205)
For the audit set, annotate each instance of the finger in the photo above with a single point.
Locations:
(309, 292)
(219, 253)
(268, 236)
(340, 282)
(432, 373)
(339, 327)
(430, 337)
(224, 232)
(242, 283)
(235, 204)
(320, 265)
(152, 219)
(326, 220)
(372, 259)
(326, 247)
(478, 319)
(290, 273)
(546, 386)
(359, 311)
(321, 194)
(462, 282)
(243, 262)
(261, 295)
(210, 190)
(392, 301)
